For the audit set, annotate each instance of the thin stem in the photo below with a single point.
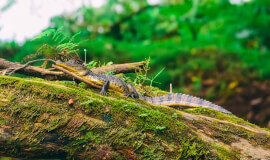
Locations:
(85, 56)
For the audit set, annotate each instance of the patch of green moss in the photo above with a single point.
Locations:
(192, 149)
(56, 123)
(6, 158)
(130, 112)
(219, 115)
(224, 153)
(3, 122)
(88, 139)
(266, 129)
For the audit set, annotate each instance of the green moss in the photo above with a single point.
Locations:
(219, 115)
(192, 148)
(95, 124)
(225, 154)
(6, 158)
(3, 122)
(266, 129)
(56, 123)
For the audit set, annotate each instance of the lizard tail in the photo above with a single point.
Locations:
(179, 99)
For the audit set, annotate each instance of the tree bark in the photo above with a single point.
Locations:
(41, 119)
(6, 66)
(120, 68)
(48, 74)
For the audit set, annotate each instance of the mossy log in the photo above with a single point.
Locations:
(57, 120)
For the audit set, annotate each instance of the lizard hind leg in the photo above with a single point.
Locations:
(132, 92)
(105, 88)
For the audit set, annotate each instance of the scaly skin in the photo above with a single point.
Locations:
(115, 83)
(107, 81)
(179, 99)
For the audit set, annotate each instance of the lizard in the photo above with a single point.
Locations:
(115, 83)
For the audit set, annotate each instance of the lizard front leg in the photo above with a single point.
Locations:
(105, 88)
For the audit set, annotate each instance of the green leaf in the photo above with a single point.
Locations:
(91, 64)
(109, 63)
(160, 127)
(144, 115)
(45, 33)
(86, 102)
(83, 127)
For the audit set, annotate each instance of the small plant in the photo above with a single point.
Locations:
(57, 46)
(109, 63)
(126, 79)
(110, 73)
(91, 64)
(141, 76)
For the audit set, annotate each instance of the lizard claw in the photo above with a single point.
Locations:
(130, 95)
(127, 95)
(104, 93)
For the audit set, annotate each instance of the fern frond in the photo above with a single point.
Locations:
(63, 46)
(45, 33)
(63, 39)
(74, 51)
(74, 36)
(59, 38)
(45, 51)
(68, 48)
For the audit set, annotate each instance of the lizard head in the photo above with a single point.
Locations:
(73, 67)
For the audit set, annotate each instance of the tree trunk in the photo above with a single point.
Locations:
(49, 120)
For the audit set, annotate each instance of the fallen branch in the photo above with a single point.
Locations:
(120, 68)
(27, 64)
(6, 66)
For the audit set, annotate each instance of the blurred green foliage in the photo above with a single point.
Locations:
(198, 41)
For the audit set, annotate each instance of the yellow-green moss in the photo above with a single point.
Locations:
(219, 115)
(115, 124)
(224, 153)
(2, 122)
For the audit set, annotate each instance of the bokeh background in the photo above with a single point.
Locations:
(216, 49)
